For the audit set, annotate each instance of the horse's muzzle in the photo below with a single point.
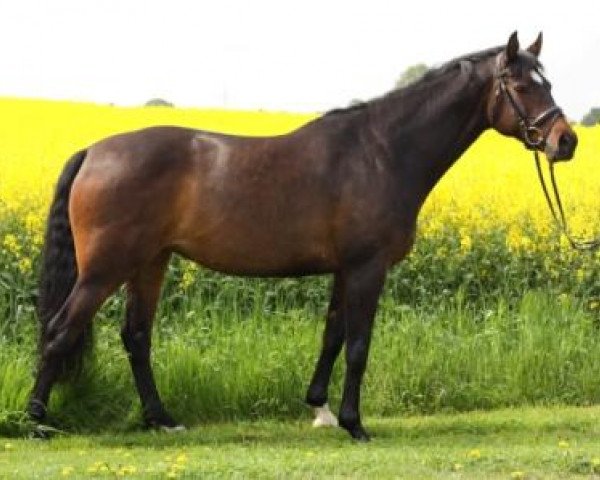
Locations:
(563, 148)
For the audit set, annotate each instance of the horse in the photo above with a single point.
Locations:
(339, 195)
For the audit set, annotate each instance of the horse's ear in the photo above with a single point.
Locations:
(536, 47)
(512, 47)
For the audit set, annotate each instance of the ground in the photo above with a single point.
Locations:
(556, 442)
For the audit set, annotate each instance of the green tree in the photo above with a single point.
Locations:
(592, 117)
(158, 102)
(411, 75)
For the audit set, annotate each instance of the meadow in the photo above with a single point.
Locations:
(509, 444)
(492, 309)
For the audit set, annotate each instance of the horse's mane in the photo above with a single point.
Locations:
(458, 63)
(352, 108)
(424, 85)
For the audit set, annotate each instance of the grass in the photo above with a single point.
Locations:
(511, 443)
(255, 363)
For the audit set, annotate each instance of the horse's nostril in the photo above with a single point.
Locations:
(567, 143)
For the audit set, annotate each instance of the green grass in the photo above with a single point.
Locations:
(512, 443)
(485, 330)
(256, 364)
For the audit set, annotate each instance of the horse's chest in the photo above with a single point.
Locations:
(402, 241)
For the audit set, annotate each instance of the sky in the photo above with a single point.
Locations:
(309, 55)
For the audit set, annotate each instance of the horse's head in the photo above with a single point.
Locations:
(521, 103)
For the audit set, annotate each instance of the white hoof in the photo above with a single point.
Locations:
(175, 429)
(324, 417)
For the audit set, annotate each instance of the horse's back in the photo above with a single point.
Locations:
(236, 204)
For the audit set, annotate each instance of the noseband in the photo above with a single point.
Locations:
(533, 134)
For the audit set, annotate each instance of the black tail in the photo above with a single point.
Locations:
(58, 266)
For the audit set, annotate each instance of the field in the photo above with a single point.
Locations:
(512, 444)
(491, 310)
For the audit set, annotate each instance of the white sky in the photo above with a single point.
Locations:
(308, 55)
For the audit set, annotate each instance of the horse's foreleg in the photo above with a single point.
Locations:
(333, 339)
(143, 292)
(362, 287)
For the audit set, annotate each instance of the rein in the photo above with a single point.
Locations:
(557, 211)
(534, 140)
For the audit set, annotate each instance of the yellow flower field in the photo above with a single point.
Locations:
(493, 188)
(38, 137)
(495, 182)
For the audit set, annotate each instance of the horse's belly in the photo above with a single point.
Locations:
(258, 258)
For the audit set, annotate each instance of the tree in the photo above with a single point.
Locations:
(411, 75)
(158, 102)
(592, 117)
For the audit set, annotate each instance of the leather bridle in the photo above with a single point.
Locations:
(533, 135)
(535, 139)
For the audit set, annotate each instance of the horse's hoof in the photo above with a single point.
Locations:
(42, 432)
(324, 417)
(164, 422)
(36, 410)
(356, 431)
(175, 429)
(360, 435)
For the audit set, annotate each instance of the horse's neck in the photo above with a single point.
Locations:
(424, 144)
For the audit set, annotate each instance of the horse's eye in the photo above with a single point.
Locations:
(521, 87)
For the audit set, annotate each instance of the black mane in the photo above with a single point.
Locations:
(352, 108)
(430, 77)
(459, 63)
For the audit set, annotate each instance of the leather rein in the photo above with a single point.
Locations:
(535, 139)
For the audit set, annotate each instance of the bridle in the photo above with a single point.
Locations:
(533, 135)
(535, 139)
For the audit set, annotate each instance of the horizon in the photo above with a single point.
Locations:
(273, 57)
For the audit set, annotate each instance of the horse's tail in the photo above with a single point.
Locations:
(59, 268)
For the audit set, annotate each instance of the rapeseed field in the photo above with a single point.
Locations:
(484, 224)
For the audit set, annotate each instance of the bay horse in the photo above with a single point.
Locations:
(339, 195)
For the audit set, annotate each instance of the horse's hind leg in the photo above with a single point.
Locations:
(333, 339)
(143, 292)
(61, 335)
